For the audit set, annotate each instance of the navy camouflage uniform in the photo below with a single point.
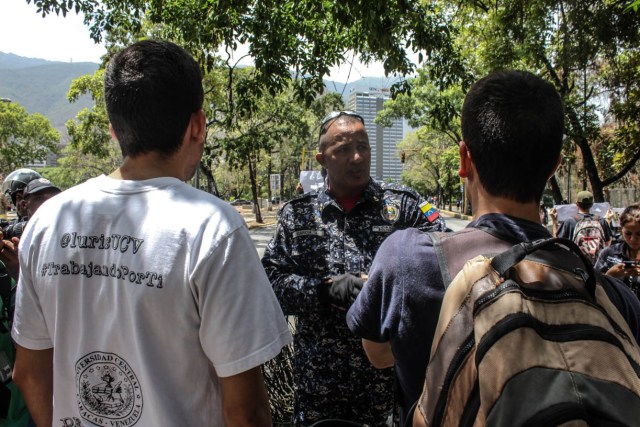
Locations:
(315, 239)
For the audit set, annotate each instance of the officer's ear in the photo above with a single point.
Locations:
(320, 158)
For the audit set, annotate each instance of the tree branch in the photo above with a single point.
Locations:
(632, 162)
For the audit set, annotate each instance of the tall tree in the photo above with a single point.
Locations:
(91, 150)
(588, 50)
(287, 39)
(89, 131)
(24, 137)
(276, 125)
(583, 48)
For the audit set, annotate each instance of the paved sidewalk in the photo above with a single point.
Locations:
(456, 214)
(269, 217)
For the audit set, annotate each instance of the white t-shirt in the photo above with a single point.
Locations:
(148, 291)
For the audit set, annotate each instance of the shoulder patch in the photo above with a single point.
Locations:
(429, 211)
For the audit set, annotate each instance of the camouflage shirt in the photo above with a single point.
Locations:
(315, 239)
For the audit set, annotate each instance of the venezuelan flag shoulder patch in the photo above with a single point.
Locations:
(429, 211)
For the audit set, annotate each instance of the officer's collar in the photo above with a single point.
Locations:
(371, 193)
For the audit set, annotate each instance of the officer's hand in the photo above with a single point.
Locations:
(341, 291)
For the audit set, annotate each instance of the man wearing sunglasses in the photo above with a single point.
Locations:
(317, 262)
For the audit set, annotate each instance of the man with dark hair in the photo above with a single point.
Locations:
(155, 319)
(512, 127)
(317, 262)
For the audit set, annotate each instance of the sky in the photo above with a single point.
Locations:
(24, 32)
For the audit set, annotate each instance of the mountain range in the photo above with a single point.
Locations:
(40, 86)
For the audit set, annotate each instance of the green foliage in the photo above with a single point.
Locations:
(635, 5)
(286, 38)
(75, 167)
(24, 137)
(588, 50)
(449, 162)
(431, 162)
(91, 150)
(257, 115)
(621, 142)
(428, 106)
(89, 131)
(580, 47)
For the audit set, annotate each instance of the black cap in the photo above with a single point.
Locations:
(38, 185)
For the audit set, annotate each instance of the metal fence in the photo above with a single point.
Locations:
(278, 377)
(622, 197)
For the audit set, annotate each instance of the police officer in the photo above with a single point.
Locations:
(317, 263)
(13, 186)
(13, 410)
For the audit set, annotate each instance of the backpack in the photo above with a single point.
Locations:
(529, 337)
(589, 236)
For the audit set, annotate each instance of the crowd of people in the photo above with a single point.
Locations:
(123, 317)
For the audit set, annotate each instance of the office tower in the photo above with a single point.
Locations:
(385, 162)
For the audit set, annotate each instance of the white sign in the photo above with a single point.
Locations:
(615, 220)
(274, 181)
(311, 180)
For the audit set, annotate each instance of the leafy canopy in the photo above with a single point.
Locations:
(286, 38)
(24, 137)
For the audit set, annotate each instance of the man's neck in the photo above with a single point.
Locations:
(500, 205)
(342, 194)
(147, 166)
(348, 202)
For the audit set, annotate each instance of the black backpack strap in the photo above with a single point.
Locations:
(453, 250)
(442, 259)
(503, 262)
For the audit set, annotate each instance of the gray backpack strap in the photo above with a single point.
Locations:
(453, 250)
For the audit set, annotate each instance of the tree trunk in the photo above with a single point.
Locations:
(269, 193)
(555, 190)
(212, 188)
(588, 161)
(254, 191)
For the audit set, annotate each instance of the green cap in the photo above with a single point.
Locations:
(584, 197)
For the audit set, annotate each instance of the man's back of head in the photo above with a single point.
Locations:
(151, 90)
(512, 124)
(584, 201)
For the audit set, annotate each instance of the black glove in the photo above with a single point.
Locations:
(341, 291)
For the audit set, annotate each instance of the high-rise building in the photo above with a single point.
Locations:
(385, 162)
